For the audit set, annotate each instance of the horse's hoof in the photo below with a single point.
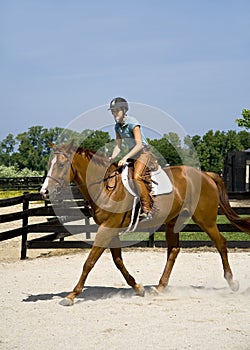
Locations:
(66, 302)
(154, 292)
(234, 285)
(140, 291)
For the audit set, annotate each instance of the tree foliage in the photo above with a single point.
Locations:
(244, 122)
(7, 147)
(31, 150)
(212, 148)
(14, 171)
(94, 140)
(169, 147)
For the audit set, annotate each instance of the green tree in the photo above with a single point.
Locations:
(7, 147)
(94, 139)
(244, 137)
(65, 136)
(30, 150)
(14, 171)
(169, 148)
(212, 148)
(244, 122)
(189, 154)
(34, 150)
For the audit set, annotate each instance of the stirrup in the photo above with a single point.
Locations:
(145, 216)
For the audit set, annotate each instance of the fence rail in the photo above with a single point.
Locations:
(21, 183)
(72, 207)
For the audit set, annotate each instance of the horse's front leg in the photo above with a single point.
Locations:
(103, 237)
(117, 257)
(93, 256)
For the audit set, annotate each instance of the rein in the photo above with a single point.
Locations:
(109, 175)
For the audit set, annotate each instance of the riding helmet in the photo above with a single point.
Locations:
(119, 102)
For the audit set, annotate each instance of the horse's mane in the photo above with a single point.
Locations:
(98, 158)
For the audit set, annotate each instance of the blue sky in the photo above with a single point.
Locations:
(59, 59)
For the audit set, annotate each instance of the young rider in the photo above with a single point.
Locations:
(127, 128)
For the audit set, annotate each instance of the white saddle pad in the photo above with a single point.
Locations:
(161, 183)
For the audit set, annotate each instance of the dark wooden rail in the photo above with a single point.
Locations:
(21, 183)
(72, 207)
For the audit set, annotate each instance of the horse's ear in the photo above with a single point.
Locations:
(51, 144)
(70, 146)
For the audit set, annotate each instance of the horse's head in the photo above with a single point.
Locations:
(60, 172)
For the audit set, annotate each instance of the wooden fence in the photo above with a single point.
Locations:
(21, 183)
(70, 209)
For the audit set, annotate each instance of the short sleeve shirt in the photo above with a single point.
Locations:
(126, 131)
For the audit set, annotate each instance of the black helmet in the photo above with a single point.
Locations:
(119, 102)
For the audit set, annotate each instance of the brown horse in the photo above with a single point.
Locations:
(194, 192)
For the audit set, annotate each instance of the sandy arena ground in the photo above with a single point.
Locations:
(197, 311)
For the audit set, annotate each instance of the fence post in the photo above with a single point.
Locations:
(151, 240)
(87, 223)
(25, 225)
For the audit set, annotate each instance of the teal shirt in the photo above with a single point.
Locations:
(126, 131)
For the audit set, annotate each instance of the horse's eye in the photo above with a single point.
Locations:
(60, 165)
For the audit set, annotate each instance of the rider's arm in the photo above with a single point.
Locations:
(117, 148)
(137, 148)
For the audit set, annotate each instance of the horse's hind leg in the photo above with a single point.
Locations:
(173, 250)
(117, 257)
(221, 245)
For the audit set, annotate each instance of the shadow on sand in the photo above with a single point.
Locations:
(94, 293)
(89, 293)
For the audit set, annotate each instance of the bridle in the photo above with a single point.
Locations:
(61, 181)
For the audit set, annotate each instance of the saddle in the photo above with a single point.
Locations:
(159, 184)
(156, 181)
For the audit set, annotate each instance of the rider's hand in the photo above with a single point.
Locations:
(122, 162)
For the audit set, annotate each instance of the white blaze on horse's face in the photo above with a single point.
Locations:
(45, 186)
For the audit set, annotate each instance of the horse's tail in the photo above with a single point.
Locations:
(242, 223)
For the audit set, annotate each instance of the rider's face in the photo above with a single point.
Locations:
(118, 114)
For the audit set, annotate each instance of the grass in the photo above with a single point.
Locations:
(202, 236)
(190, 236)
(185, 236)
(14, 193)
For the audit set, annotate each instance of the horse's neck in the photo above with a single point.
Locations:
(101, 194)
(88, 176)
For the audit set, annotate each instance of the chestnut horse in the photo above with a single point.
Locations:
(194, 192)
